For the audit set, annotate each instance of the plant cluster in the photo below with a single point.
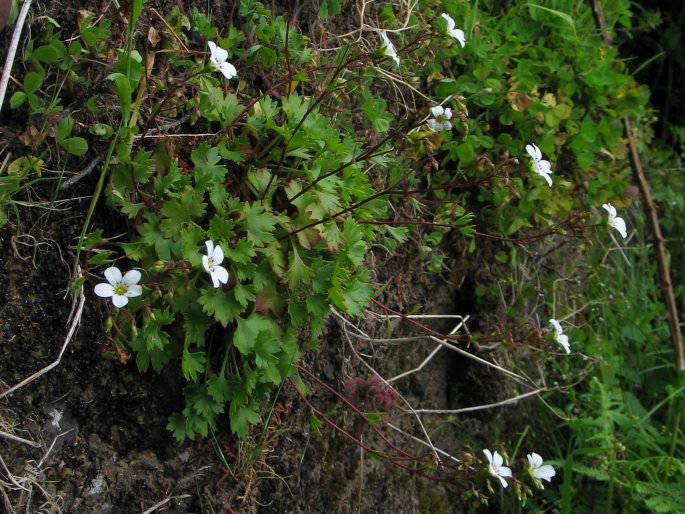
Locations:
(247, 228)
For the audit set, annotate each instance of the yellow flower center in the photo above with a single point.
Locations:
(120, 289)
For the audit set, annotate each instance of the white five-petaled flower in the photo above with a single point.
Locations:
(495, 467)
(211, 261)
(389, 48)
(456, 33)
(441, 118)
(540, 166)
(616, 221)
(120, 288)
(219, 58)
(540, 471)
(560, 337)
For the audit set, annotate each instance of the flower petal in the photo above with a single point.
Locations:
(113, 275)
(228, 70)
(448, 114)
(221, 274)
(563, 341)
(217, 54)
(557, 328)
(210, 248)
(119, 300)
(534, 460)
(545, 472)
(438, 110)
(134, 290)
(432, 124)
(497, 460)
(459, 35)
(450, 22)
(205, 263)
(131, 278)
(503, 482)
(620, 225)
(389, 48)
(610, 209)
(104, 290)
(215, 280)
(504, 471)
(488, 455)
(217, 255)
(531, 149)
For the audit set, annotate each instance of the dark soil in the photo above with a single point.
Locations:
(112, 452)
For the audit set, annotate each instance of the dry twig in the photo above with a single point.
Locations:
(12, 51)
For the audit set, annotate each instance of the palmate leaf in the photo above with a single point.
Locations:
(204, 405)
(355, 246)
(298, 273)
(153, 237)
(242, 253)
(258, 223)
(192, 364)
(249, 330)
(354, 294)
(242, 416)
(265, 350)
(180, 427)
(207, 170)
(219, 304)
(221, 389)
(178, 212)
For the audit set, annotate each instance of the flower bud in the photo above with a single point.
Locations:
(107, 325)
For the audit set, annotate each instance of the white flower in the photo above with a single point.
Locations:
(540, 166)
(495, 467)
(456, 33)
(560, 337)
(211, 261)
(389, 48)
(539, 471)
(218, 57)
(441, 118)
(616, 221)
(119, 288)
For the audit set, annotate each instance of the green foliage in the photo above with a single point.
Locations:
(282, 191)
(296, 171)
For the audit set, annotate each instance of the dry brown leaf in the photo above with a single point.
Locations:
(153, 36)
(83, 14)
(519, 101)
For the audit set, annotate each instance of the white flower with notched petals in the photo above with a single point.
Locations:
(456, 33)
(211, 261)
(560, 337)
(540, 166)
(616, 221)
(441, 118)
(389, 48)
(219, 58)
(119, 288)
(538, 470)
(496, 468)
